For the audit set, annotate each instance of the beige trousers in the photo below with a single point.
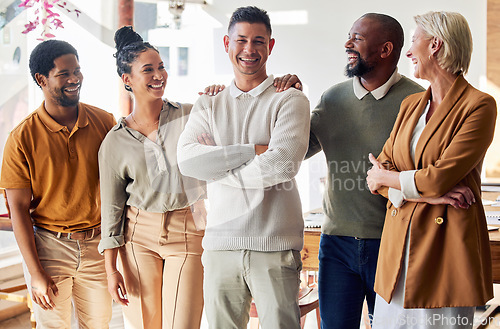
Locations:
(233, 278)
(161, 263)
(77, 269)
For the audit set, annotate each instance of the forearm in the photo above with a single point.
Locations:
(23, 232)
(206, 162)
(389, 179)
(19, 202)
(110, 256)
(266, 170)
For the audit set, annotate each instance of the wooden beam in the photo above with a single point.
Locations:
(493, 42)
(125, 18)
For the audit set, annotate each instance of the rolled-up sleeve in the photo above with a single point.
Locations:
(113, 201)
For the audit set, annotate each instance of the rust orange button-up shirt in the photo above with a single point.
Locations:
(59, 166)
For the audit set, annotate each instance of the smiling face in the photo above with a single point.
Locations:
(419, 53)
(63, 83)
(363, 47)
(148, 76)
(249, 45)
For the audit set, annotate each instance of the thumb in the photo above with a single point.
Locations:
(54, 288)
(122, 288)
(373, 160)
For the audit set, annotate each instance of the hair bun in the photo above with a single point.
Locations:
(126, 36)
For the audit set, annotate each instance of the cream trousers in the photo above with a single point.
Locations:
(161, 264)
(77, 269)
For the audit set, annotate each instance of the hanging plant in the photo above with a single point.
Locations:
(45, 16)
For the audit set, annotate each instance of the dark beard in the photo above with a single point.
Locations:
(361, 68)
(67, 102)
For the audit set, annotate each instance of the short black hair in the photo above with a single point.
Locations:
(129, 45)
(390, 30)
(43, 56)
(250, 14)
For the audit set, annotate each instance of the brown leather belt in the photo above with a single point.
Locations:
(80, 235)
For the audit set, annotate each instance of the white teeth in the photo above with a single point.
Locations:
(71, 90)
(157, 86)
(249, 59)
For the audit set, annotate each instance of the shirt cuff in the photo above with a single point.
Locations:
(408, 186)
(396, 197)
(110, 243)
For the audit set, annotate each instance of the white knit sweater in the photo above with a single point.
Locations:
(254, 201)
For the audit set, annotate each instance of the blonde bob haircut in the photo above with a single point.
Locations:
(453, 30)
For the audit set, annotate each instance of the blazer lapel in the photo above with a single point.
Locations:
(439, 115)
(402, 156)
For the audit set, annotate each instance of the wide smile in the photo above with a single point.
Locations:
(247, 61)
(352, 57)
(157, 86)
(73, 90)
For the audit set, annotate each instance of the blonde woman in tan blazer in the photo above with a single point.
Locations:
(434, 264)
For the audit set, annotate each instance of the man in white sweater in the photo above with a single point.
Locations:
(248, 143)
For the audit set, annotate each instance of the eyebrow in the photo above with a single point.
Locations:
(244, 36)
(66, 70)
(146, 65)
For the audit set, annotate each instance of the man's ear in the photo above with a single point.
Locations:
(271, 45)
(226, 43)
(387, 49)
(41, 79)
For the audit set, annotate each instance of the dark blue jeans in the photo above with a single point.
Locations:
(346, 276)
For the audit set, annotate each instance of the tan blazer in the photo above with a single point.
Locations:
(449, 260)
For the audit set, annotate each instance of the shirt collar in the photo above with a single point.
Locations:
(378, 93)
(81, 122)
(164, 111)
(235, 92)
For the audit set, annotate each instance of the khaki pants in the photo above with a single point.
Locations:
(232, 278)
(77, 269)
(161, 263)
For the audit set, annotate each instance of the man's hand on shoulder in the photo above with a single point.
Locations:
(287, 81)
(212, 90)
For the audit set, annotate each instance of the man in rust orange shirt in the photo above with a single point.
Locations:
(50, 173)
